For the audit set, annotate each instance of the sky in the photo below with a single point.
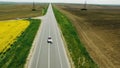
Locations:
(115, 2)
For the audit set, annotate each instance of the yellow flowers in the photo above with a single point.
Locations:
(9, 31)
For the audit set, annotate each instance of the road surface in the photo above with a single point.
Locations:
(46, 55)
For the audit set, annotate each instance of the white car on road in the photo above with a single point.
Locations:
(49, 40)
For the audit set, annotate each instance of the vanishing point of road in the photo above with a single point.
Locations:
(46, 55)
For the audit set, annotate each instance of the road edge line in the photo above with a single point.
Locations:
(67, 53)
(26, 65)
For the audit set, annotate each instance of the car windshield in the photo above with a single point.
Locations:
(49, 37)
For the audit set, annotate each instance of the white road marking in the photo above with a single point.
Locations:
(35, 43)
(49, 55)
(58, 49)
(64, 49)
(62, 45)
(49, 48)
(40, 50)
(48, 21)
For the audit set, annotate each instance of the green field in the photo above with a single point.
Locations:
(16, 55)
(80, 56)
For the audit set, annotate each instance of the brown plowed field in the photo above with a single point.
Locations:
(99, 30)
(19, 10)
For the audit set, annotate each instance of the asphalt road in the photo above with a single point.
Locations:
(46, 55)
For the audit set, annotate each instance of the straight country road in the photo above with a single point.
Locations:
(46, 55)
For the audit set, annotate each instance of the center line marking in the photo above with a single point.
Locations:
(57, 46)
(49, 44)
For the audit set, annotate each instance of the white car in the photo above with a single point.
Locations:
(49, 40)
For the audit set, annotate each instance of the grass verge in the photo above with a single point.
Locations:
(44, 10)
(76, 49)
(16, 56)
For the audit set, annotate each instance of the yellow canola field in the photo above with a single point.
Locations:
(9, 31)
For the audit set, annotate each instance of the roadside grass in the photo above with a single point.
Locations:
(76, 49)
(44, 10)
(16, 56)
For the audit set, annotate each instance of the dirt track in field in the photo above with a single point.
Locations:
(99, 30)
